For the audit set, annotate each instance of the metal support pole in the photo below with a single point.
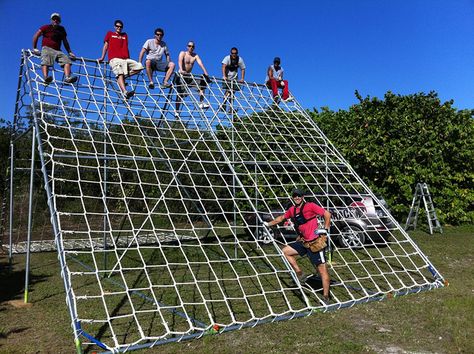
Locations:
(105, 177)
(326, 177)
(10, 240)
(233, 176)
(12, 150)
(54, 219)
(30, 212)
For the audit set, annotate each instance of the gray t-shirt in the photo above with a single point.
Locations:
(232, 75)
(154, 51)
(276, 73)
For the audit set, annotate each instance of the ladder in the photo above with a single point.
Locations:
(422, 193)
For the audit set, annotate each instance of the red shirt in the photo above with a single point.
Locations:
(118, 45)
(310, 210)
(52, 36)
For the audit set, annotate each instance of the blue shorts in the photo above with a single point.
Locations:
(315, 258)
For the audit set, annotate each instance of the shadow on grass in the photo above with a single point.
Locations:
(13, 281)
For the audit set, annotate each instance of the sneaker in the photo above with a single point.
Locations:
(151, 85)
(326, 300)
(203, 105)
(289, 99)
(165, 85)
(70, 79)
(176, 115)
(301, 277)
(276, 99)
(48, 80)
(129, 94)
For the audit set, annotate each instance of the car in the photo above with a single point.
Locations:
(352, 226)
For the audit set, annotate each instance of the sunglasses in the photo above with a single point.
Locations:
(297, 196)
(159, 34)
(190, 46)
(233, 53)
(118, 26)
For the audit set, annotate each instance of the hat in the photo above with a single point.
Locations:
(55, 14)
(297, 193)
(276, 60)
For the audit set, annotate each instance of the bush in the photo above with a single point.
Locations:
(402, 140)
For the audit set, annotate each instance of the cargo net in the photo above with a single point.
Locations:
(158, 211)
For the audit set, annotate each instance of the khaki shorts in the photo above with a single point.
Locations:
(124, 66)
(50, 55)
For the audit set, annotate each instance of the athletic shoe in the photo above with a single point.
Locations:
(166, 85)
(301, 277)
(326, 300)
(289, 99)
(70, 79)
(48, 80)
(151, 85)
(176, 115)
(203, 105)
(129, 94)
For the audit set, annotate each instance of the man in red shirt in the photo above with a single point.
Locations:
(307, 225)
(116, 43)
(53, 35)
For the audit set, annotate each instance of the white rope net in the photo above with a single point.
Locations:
(158, 217)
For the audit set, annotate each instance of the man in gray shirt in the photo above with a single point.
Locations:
(155, 48)
(230, 67)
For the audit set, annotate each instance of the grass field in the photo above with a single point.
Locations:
(439, 321)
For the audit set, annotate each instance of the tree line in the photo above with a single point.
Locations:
(392, 143)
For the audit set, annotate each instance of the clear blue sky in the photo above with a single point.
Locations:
(329, 48)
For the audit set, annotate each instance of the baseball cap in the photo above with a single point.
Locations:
(55, 14)
(297, 193)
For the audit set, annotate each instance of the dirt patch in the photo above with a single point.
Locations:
(19, 304)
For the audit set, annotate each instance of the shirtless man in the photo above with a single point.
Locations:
(186, 62)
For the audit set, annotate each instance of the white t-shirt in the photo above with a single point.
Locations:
(231, 75)
(276, 73)
(155, 51)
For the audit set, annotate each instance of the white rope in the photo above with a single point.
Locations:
(173, 197)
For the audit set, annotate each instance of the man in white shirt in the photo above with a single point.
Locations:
(274, 80)
(230, 67)
(155, 48)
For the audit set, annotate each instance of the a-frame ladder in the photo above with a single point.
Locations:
(422, 193)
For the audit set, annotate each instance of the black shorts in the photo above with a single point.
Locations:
(191, 81)
(316, 258)
(230, 85)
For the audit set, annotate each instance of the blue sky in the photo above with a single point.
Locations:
(329, 48)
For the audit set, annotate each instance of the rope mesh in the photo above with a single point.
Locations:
(158, 212)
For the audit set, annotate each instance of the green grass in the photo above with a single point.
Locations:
(438, 321)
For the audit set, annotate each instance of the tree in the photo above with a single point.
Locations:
(402, 140)
(5, 129)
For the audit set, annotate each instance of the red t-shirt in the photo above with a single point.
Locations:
(52, 36)
(310, 210)
(118, 45)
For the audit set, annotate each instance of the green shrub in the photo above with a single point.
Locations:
(399, 141)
